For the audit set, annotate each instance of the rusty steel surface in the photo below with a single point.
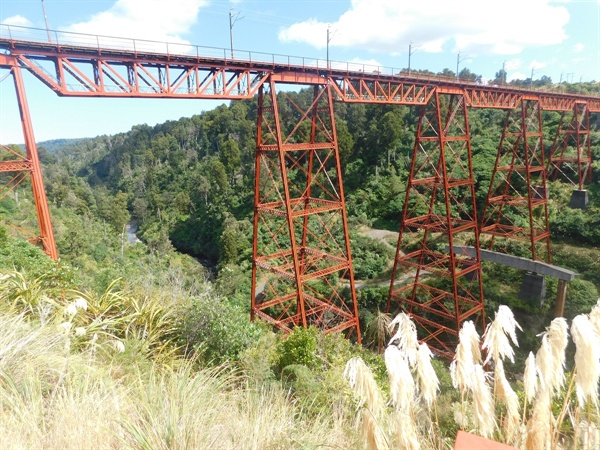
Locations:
(571, 154)
(301, 265)
(29, 164)
(81, 65)
(516, 207)
(439, 207)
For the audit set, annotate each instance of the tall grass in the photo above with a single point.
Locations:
(564, 412)
(82, 371)
(52, 396)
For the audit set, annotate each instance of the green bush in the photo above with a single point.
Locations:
(216, 329)
(298, 348)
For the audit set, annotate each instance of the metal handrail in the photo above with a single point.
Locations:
(100, 43)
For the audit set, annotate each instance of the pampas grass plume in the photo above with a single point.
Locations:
(402, 384)
(372, 432)
(550, 358)
(587, 359)
(429, 383)
(406, 335)
(496, 337)
(507, 395)
(467, 355)
(595, 316)
(530, 378)
(539, 426)
(407, 437)
(361, 381)
(483, 403)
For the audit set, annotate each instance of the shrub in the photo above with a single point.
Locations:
(215, 329)
(298, 348)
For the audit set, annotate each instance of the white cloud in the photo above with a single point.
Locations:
(536, 65)
(17, 20)
(155, 20)
(516, 76)
(579, 47)
(472, 27)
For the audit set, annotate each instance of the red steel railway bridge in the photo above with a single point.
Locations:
(301, 261)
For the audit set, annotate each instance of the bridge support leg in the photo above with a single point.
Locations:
(561, 297)
(444, 289)
(571, 155)
(516, 207)
(302, 267)
(31, 164)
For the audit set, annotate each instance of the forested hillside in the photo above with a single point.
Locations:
(186, 187)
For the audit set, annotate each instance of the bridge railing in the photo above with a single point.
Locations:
(183, 50)
(101, 43)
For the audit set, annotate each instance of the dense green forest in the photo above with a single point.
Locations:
(186, 186)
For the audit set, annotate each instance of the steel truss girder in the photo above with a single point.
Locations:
(439, 211)
(75, 76)
(516, 207)
(90, 70)
(302, 267)
(28, 165)
(352, 89)
(571, 154)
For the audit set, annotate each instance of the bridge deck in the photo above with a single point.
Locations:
(353, 82)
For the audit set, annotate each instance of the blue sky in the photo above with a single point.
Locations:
(559, 39)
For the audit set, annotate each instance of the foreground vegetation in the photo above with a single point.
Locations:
(123, 370)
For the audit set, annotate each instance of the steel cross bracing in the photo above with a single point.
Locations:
(439, 212)
(302, 266)
(571, 155)
(91, 70)
(516, 207)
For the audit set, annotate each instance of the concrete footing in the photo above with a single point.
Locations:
(579, 199)
(533, 288)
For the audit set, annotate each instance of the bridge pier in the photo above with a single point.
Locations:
(571, 154)
(533, 288)
(516, 210)
(439, 207)
(579, 199)
(301, 265)
(29, 165)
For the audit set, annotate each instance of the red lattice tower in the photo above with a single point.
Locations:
(516, 207)
(444, 289)
(20, 165)
(302, 267)
(571, 155)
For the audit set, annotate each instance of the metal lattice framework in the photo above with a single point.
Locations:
(302, 267)
(27, 166)
(516, 208)
(571, 155)
(439, 212)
